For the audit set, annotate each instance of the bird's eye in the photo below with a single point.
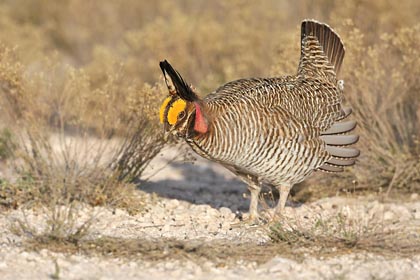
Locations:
(181, 115)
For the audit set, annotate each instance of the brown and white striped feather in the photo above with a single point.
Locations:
(281, 129)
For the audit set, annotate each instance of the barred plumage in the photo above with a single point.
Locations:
(273, 131)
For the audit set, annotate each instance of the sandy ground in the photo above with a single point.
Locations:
(201, 202)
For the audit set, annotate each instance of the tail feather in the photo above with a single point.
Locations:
(337, 164)
(331, 168)
(341, 161)
(341, 152)
(322, 54)
(328, 39)
(340, 128)
(345, 112)
(340, 140)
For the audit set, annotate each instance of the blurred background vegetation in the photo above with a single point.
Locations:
(90, 69)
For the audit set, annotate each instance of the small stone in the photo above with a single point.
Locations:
(120, 212)
(212, 212)
(3, 265)
(414, 196)
(199, 208)
(278, 265)
(170, 265)
(402, 212)
(388, 215)
(166, 228)
(44, 252)
(213, 227)
(225, 211)
(174, 203)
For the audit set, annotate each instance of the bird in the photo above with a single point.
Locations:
(270, 131)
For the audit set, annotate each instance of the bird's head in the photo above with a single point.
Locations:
(182, 113)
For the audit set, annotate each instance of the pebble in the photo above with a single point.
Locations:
(226, 212)
(44, 253)
(213, 212)
(3, 265)
(280, 264)
(173, 203)
(388, 215)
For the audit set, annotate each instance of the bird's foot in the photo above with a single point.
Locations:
(277, 214)
(249, 220)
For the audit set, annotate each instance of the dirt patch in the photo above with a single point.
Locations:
(219, 252)
(189, 228)
(292, 244)
(177, 239)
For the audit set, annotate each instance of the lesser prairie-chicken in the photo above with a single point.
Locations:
(273, 131)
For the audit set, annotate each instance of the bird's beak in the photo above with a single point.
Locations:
(171, 133)
(167, 130)
(166, 135)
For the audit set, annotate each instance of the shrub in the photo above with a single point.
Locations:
(383, 88)
(75, 140)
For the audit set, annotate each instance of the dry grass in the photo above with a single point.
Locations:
(334, 235)
(62, 225)
(74, 140)
(384, 92)
(288, 243)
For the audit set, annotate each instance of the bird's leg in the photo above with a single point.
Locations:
(254, 187)
(284, 193)
(255, 190)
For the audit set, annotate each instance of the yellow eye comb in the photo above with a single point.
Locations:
(176, 107)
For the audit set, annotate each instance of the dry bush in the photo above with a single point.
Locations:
(75, 140)
(61, 223)
(210, 41)
(383, 88)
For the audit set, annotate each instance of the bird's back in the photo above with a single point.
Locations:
(315, 101)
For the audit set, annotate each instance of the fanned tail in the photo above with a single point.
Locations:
(329, 41)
